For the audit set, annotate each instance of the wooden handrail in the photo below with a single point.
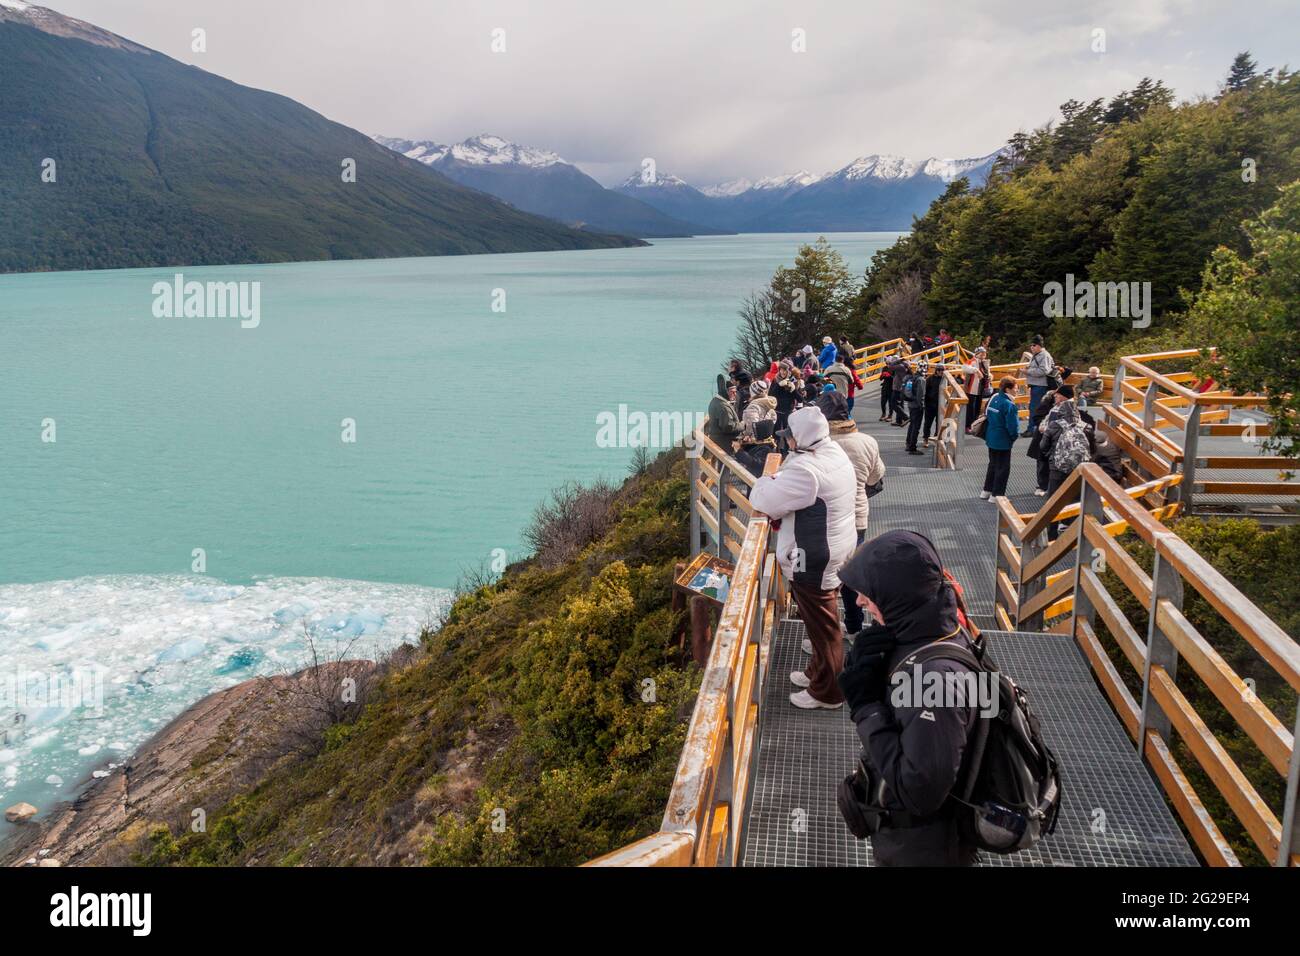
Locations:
(1165, 709)
(702, 821)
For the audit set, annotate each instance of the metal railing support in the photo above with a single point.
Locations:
(724, 479)
(1149, 406)
(1191, 440)
(693, 464)
(1025, 590)
(1166, 585)
(1290, 842)
(1090, 505)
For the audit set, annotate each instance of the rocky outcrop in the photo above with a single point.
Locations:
(224, 744)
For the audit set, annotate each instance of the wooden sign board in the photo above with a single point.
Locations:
(708, 576)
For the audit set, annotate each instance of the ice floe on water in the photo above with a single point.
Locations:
(91, 668)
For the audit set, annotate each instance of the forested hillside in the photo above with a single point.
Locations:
(1136, 189)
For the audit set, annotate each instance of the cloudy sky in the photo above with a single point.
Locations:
(712, 89)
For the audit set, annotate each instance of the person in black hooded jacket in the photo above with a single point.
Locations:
(914, 753)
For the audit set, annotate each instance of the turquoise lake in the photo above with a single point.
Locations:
(177, 434)
(184, 433)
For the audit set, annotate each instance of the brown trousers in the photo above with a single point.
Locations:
(820, 612)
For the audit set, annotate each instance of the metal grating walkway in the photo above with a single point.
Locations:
(1113, 813)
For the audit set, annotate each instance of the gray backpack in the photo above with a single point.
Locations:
(1070, 449)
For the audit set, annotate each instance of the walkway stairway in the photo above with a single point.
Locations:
(1114, 814)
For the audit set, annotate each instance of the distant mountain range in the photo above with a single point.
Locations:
(539, 181)
(159, 163)
(871, 193)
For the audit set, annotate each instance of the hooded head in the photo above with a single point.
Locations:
(833, 406)
(901, 573)
(758, 388)
(721, 387)
(808, 426)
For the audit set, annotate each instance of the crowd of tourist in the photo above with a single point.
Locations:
(889, 595)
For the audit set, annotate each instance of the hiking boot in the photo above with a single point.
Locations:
(806, 646)
(799, 679)
(1040, 492)
(985, 495)
(806, 701)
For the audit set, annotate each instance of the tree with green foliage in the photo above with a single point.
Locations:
(1241, 74)
(1139, 190)
(803, 302)
(1250, 308)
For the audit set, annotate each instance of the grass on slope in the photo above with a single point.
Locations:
(524, 732)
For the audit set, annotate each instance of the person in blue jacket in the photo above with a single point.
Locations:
(1001, 429)
(827, 357)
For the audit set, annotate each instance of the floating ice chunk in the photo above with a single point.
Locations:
(54, 780)
(8, 755)
(360, 623)
(212, 595)
(185, 650)
(89, 750)
(99, 774)
(117, 745)
(287, 615)
(243, 659)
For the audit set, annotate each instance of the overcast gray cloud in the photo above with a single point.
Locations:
(711, 88)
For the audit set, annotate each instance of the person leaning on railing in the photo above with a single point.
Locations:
(813, 497)
(723, 426)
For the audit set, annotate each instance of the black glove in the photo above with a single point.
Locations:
(864, 679)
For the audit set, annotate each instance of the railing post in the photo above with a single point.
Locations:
(1117, 388)
(1090, 504)
(1191, 441)
(1149, 405)
(999, 564)
(1166, 584)
(1029, 549)
(693, 464)
(1290, 842)
(724, 479)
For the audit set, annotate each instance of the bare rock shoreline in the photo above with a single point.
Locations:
(223, 744)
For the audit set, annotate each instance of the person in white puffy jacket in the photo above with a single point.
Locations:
(814, 497)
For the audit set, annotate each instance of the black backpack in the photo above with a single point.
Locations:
(1008, 793)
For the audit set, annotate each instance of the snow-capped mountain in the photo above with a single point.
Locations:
(639, 180)
(540, 181)
(895, 168)
(56, 24)
(874, 192)
(481, 150)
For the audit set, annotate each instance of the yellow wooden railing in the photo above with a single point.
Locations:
(1028, 595)
(703, 823)
(1151, 402)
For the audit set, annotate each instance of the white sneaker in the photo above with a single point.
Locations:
(985, 495)
(1040, 492)
(806, 647)
(799, 679)
(807, 701)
